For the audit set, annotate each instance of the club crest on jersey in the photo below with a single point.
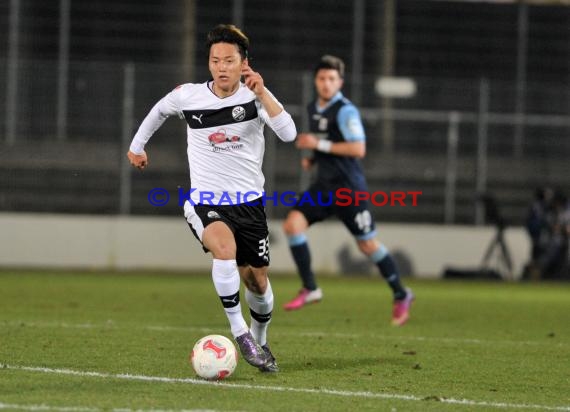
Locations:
(238, 113)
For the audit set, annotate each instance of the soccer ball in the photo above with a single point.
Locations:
(214, 357)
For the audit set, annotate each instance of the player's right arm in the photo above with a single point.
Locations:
(138, 160)
(166, 107)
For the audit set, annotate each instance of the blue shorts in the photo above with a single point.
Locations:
(318, 204)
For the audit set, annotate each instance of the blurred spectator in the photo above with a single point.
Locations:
(536, 223)
(548, 225)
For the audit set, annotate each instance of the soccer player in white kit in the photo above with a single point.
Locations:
(225, 119)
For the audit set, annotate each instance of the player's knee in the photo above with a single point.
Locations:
(289, 226)
(368, 246)
(295, 223)
(224, 251)
(286, 226)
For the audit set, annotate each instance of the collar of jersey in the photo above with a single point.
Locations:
(210, 86)
(335, 99)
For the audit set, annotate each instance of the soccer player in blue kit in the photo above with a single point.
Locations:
(337, 140)
(226, 118)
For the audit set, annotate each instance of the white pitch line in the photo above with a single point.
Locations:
(344, 393)
(429, 338)
(43, 407)
(165, 328)
(181, 329)
(21, 407)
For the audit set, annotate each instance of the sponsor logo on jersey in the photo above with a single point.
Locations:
(221, 137)
(198, 118)
(238, 113)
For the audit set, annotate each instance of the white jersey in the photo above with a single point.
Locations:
(225, 140)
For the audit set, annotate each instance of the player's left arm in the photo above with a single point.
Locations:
(277, 118)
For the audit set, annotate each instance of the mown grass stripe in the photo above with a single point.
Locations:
(355, 394)
(316, 334)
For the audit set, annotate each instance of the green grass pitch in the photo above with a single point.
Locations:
(109, 341)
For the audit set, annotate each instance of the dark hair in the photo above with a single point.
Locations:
(331, 63)
(228, 33)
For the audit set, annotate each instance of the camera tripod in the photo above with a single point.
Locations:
(498, 246)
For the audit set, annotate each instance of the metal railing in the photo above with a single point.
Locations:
(435, 138)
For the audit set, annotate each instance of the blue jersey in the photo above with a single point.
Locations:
(339, 121)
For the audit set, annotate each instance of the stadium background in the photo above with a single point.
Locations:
(490, 112)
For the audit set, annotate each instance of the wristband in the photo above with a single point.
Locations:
(324, 146)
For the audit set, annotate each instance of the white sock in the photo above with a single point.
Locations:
(261, 307)
(227, 282)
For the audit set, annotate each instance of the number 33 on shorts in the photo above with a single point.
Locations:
(264, 249)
